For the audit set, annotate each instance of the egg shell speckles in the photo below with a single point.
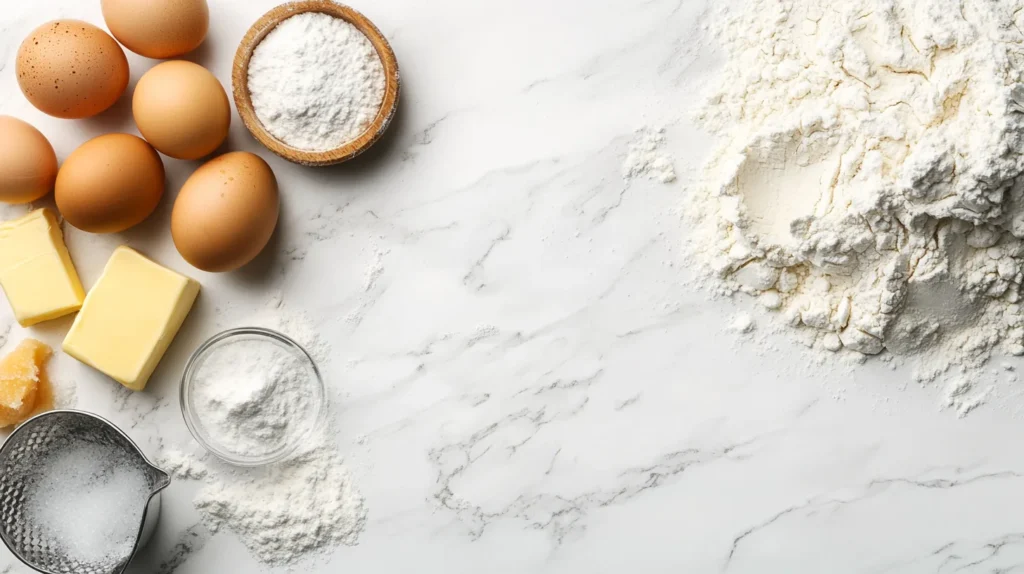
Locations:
(71, 69)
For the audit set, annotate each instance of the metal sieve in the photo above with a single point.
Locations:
(25, 450)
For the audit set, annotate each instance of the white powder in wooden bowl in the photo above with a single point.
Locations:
(316, 82)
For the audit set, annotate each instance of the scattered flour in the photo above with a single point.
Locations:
(316, 82)
(180, 465)
(961, 398)
(742, 324)
(374, 270)
(867, 185)
(296, 324)
(320, 223)
(285, 512)
(647, 159)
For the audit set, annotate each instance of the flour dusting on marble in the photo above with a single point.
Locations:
(181, 465)
(866, 187)
(647, 158)
(742, 324)
(289, 511)
(322, 224)
(282, 513)
(295, 323)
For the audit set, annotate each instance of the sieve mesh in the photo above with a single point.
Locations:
(25, 451)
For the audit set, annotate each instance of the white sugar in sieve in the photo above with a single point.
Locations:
(76, 494)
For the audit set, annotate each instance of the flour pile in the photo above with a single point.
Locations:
(316, 82)
(283, 512)
(647, 159)
(286, 511)
(867, 184)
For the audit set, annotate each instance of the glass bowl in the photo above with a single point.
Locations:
(255, 336)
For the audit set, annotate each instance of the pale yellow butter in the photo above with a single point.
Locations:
(36, 270)
(130, 318)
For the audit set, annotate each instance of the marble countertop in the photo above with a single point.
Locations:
(522, 381)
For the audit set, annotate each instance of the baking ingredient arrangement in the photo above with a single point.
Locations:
(867, 184)
(317, 82)
(866, 194)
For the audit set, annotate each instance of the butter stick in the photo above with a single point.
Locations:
(36, 271)
(130, 317)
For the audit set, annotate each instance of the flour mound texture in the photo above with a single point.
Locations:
(254, 398)
(647, 159)
(316, 82)
(284, 512)
(867, 183)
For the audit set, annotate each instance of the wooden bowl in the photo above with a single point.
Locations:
(240, 83)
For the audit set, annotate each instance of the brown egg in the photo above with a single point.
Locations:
(226, 212)
(158, 28)
(71, 69)
(182, 110)
(28, 166)
(110, 183)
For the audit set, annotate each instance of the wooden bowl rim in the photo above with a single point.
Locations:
(243, 101)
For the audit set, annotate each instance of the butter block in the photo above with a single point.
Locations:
(23, 382)
(36, 271)
(130, 317)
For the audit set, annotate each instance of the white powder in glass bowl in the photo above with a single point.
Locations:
(253, 398)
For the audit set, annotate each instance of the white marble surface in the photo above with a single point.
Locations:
(521, 381)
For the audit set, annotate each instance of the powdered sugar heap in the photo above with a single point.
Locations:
(866, 182)
(316, 82)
